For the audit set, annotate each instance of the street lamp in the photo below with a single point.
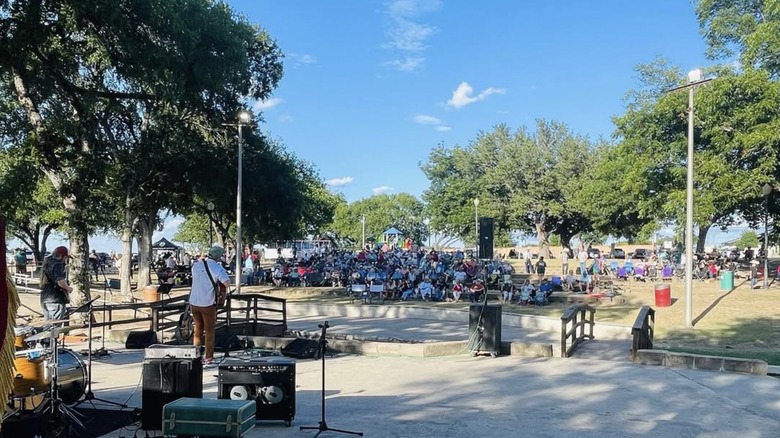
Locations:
(363, 232)
(244, 119)
(766, 191)
(427, 223)
(694, 79)
(476, 225)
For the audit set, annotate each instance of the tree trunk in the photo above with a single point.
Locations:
(127, 252)
(78, 271)
(145, 252)
(542, 236)
(702, 237)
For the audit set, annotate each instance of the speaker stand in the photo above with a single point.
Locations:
(322, 426)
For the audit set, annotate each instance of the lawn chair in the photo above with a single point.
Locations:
(525, 297)
(378, 290)
(540, 299)
(666, 273)
(359, 291)
(639, 273)
(621, 274)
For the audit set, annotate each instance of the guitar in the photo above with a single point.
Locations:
(221, 291)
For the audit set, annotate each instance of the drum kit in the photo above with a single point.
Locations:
(48, 380)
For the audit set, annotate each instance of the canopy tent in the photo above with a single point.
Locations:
(164, 245)
(392, 236)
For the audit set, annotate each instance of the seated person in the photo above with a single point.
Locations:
(507, 291)
(457, 291)
(477, 291)
(569, 282)
(526, 292)
(425, 289)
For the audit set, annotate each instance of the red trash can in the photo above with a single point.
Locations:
(663, 295)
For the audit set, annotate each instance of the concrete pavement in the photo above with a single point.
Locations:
(503, 397)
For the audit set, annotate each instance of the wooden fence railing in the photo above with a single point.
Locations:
(248, 313)
(643, 330)
(574, 319)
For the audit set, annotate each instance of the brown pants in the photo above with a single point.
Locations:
(204, 319)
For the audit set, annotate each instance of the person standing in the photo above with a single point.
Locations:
(55, 290)
(529, 267)
(206, 276)
(94, 264)
(541, 267)
(564, 261)
(20, 259)
(582, 258)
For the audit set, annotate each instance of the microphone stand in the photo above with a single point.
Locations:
(89, 396)
(323, 425)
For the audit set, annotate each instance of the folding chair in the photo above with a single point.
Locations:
(379, 291)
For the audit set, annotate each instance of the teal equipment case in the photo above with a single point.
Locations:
(208, 418)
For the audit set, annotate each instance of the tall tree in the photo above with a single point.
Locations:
(95, 79)
(402, 210)
(736, 137)
(528, 182)
(747, 28)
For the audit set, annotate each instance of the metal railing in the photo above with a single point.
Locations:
(574, 319)
(643, 330)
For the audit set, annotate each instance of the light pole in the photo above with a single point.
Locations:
(210, 208)
(427, 223)
(244, 118)
(766, 191)
(476, 226)
(694, 79)
(362, 232)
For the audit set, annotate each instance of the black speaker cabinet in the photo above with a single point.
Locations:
(270, 382)
(485, 238)
(486, 320)
(166, 380)
(301, 348)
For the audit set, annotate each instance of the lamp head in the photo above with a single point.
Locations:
(476, 202)
(244, 117)
(694, 76)
(210, 206)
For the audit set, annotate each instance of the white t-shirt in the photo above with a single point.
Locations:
(202, 293)
(564, 256)
(582, 256)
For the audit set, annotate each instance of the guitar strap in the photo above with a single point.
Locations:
(211, 279)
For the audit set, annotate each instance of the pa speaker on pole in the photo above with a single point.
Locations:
(485, 238)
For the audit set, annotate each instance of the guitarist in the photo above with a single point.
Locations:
(209, 283)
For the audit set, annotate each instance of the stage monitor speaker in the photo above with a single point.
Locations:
(226, 339)
(270, 382)
(140, 339)
(485, 238)
(486, 320)
(166, 380)
(301, 348)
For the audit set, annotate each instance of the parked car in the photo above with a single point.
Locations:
(594, 253)
(618, 253)
(641, 254)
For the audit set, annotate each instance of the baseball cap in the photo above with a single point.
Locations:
(60, 252)
(216, 252)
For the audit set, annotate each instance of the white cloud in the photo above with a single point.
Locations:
(406, 36)
(298, 60)
(339, 181)
(286, 118)
(464, 95)
(381, 190)
(443, 128)
(262, 105)
(426, 120)
(408, 64)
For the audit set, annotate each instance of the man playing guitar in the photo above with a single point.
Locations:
(209, 283)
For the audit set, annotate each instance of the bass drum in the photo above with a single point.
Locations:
(72, 376)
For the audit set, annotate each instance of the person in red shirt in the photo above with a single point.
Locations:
(477, 290)
(457, 291)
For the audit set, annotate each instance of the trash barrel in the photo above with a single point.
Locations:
(727, 280)
(150, 294)
(663, 295)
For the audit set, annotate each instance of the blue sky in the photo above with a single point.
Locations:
(371, 86)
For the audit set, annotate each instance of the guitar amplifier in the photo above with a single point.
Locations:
(162, 351)
(270, 382)
(166, 380)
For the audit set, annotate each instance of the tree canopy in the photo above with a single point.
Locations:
(402, 211)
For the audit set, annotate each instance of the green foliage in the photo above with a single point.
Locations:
(526, 181)
(751, 28)
(194, 232)
(402, 210)
(748, 239)
(736, 137)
